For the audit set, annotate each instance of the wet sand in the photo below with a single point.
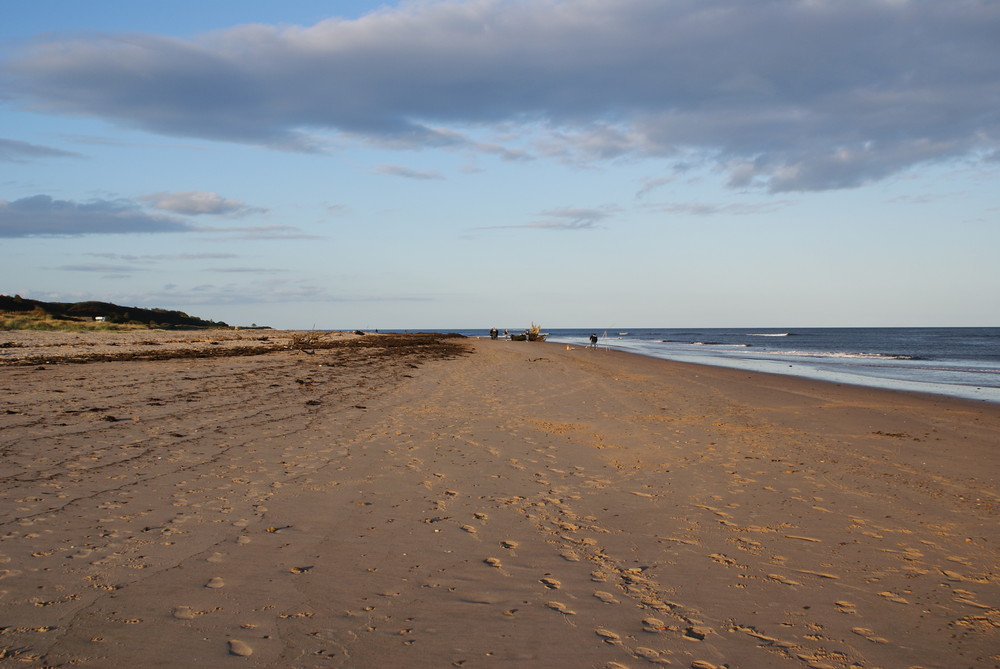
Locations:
(410, 503)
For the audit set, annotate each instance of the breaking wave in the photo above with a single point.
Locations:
(841, 354)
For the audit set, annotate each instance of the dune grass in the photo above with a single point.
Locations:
(43, 324)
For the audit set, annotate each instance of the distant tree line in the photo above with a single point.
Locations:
(111, 313)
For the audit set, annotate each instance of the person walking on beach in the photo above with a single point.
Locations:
(493, 333)
(593, 340)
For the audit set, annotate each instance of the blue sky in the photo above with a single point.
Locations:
(449, 164)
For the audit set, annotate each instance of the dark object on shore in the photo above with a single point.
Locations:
(419, 345)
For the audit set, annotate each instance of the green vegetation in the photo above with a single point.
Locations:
(18, 313)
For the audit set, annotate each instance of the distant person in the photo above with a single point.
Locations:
(593, 340)
(493, 333)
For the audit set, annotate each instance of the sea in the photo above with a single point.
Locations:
(959, 362)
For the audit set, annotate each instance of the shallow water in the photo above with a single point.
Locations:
(959, 362)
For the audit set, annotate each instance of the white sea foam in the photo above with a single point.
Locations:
(837, 354)
(962, 362)
(719, 343)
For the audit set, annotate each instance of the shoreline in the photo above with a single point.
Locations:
(509, 505)
(918, 389)
(807, 368)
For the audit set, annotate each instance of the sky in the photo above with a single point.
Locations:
(458, 164)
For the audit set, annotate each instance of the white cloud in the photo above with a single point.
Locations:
(14, 151)
(649, 185)
(568, 218)
(194, 203)
(791, 95)
(734, 209)
(407, 173)
(102, 269)
(41, 215)
(165, 256)
(272, 290)
(262, 232)
(247, 270)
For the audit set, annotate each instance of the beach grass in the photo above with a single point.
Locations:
(47, 324)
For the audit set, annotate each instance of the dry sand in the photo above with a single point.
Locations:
(387, 503)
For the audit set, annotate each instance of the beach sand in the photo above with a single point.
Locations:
(407, 502)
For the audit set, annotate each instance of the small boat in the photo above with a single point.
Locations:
(534, 333)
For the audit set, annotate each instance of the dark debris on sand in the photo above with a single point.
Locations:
(418, 346)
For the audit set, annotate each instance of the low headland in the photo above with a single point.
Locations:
(19, 313)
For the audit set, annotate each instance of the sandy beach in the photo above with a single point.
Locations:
(216, 499)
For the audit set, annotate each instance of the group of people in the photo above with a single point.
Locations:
(494, 334)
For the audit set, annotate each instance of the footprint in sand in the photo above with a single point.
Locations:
(781, 579)
(469, 528)
(550, 583)
(481, 516)
(846, 607)
(608, 636)
(215, 582)
(724, 559)
(183, 613)
(237, 647)
(819, 574)
(493, 562)
(654, 626)
(893, 597)
(697, 633)
(606, 597)
(506, 543)
(802, 538)
(869, 634)
(650, 655)
(569, 555)
(763, 637)
(560, 607)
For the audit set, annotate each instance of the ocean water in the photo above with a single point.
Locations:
(960, 362)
